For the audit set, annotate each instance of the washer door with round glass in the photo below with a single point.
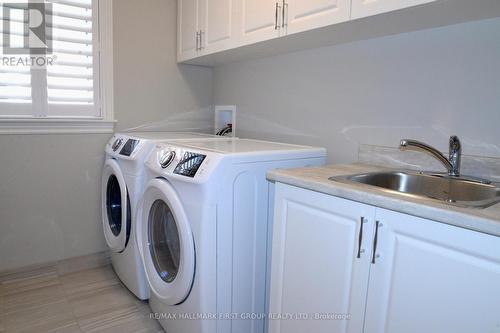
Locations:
(115, 207)
(166, 243)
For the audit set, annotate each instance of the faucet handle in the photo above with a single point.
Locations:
(455, 145)
(455, 155)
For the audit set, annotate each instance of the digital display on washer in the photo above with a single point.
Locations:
(189, 164)
(129, 147)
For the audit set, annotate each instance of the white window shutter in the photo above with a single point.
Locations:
(70, 81)
(15, 81)
(69, 87)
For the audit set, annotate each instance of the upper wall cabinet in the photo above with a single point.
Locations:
(259, 20)
(208, 27)
(302, 15)
(364, 8)
(204, 26)
(187, 29)
(217, 29)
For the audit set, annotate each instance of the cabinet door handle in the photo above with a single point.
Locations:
(375, 239)
(360, 237)
(284, 16)
(276, 16)
(201, 40)
(197, 40)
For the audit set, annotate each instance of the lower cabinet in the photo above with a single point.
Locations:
(432, 277)
(316, 270)
(341, 266)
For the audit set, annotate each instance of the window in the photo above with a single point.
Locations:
(52, 61)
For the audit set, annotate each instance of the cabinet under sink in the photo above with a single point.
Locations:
(353, 267)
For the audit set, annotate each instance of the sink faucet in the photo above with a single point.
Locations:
(452, 163)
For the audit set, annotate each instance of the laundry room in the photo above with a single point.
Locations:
(250, 166)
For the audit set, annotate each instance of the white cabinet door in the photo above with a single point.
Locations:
(216, 25)
(303, 15)
(434, 278)
(315, 266)
(187, 28)
(259, 20)
(363, 8)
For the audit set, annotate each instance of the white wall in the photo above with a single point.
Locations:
(426, 84)
(50, 184)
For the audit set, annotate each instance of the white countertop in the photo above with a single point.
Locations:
(316, 179)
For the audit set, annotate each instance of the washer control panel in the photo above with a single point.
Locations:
(124, 146)
(182, 162)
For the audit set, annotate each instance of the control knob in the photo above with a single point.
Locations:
(118, 142)
(167, 158)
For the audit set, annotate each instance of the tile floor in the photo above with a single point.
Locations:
(92, 300)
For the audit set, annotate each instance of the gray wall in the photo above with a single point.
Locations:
(149, 86)
(50, 184)
(426, 84)
(49, 197)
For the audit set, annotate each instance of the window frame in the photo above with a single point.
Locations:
(103, 89)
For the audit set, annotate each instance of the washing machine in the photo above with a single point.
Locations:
(122, 185)
(203, 231)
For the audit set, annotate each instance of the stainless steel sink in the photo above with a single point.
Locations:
(452, 190)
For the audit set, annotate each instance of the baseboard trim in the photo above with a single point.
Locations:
(64, 266)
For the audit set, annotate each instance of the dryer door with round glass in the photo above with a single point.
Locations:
(167, 244)
(115, 207)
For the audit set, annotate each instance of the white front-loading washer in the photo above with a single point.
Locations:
(203, 228)
(122, 185)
